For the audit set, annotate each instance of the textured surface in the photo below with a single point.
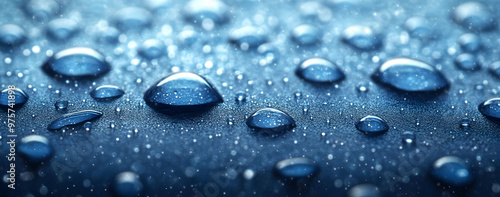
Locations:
(214, 153)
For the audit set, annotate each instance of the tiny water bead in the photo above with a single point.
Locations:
(452, 171)
(306, 35)
(296, 168)
(269, 119)
(247, 37)
(372, 125)
(20, 98)
(491, 109)
(182, 92)
(467, 62)
(362, 37)
(132, 18)
(152, 48)
(474, 16)
(410, 75)
(11, 35)
(79, 62)
(240, 98)
(197, 11)
(74, 119)
(35, 149)
(106, 93)
(364, 190)
(61, 105)
(409, 138)
(419, 27)
(319, 70)
(464, 123)
(62, 28)
(495, 69)
(127, 184)
(469, 42)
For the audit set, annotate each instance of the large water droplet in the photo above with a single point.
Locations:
(419, 27)
(364, 190)
(77, 62)
(12, 35)
(410, 75)
(362, 37)
(62, 28)
(197, 11)
(152, 48)
(491, 109)
(469, 42)
(74, 119)
(132, 18)
(247, 37)
(127, 184)
(474, 16)
(20, 98)
(319, 70)
(35, 149)
(182, 92)
(467, 62)
(372, 125)
(269, 119)
(296, 168)
(452, 171)
(106, 93)
(306, 35)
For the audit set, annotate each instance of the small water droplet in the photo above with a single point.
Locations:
(364, 190)
(410, 75)
(306, 35)
(127, 184)
(409, 138)
(469, 42)
(474, 16)
(362, 37)
(240, 98)
(77, 63)
(419, 27)
(42, 10)
(464, 123)
(108, 35)
(62, 28)
(203, 11)
(182, 92)
(87, 126)
(74, 119)
(495, 68)
(362, 88)
(467, 62)
(270, 120)
(372, 125)
(491, 109)
(35, 149)
(132, 18)
(452, 171)
(20, 98)
(319, 70)
(106, 93)
(61, 105)
(152, 48)
(11, 35)
(247, 37)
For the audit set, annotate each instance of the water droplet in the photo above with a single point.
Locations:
(495, 68)
(491, 109)
(35, 149)
(372, 125)
(452, 171)
(464, 123)
(306, 35)
(410, 75)
(11, 34)
(409, 138)
(188, 37)
(241, 98)
(474, 16)
(469, 42)
(296, 168)
(362, 88)
(269, 119)
(419, 27)
(74, 119)
(199, 11)
(152, 48)
(20, 98)
(467, 62)
(247, 37)
(61, 105)
(319, 70)
(364, 190)
(106, 93)
(42, 10)
(127, 184)
(182, 92)
(62, 28)
(77, 62)
(87, 126)
(132, 18)
(109, 35)
(362, 37)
